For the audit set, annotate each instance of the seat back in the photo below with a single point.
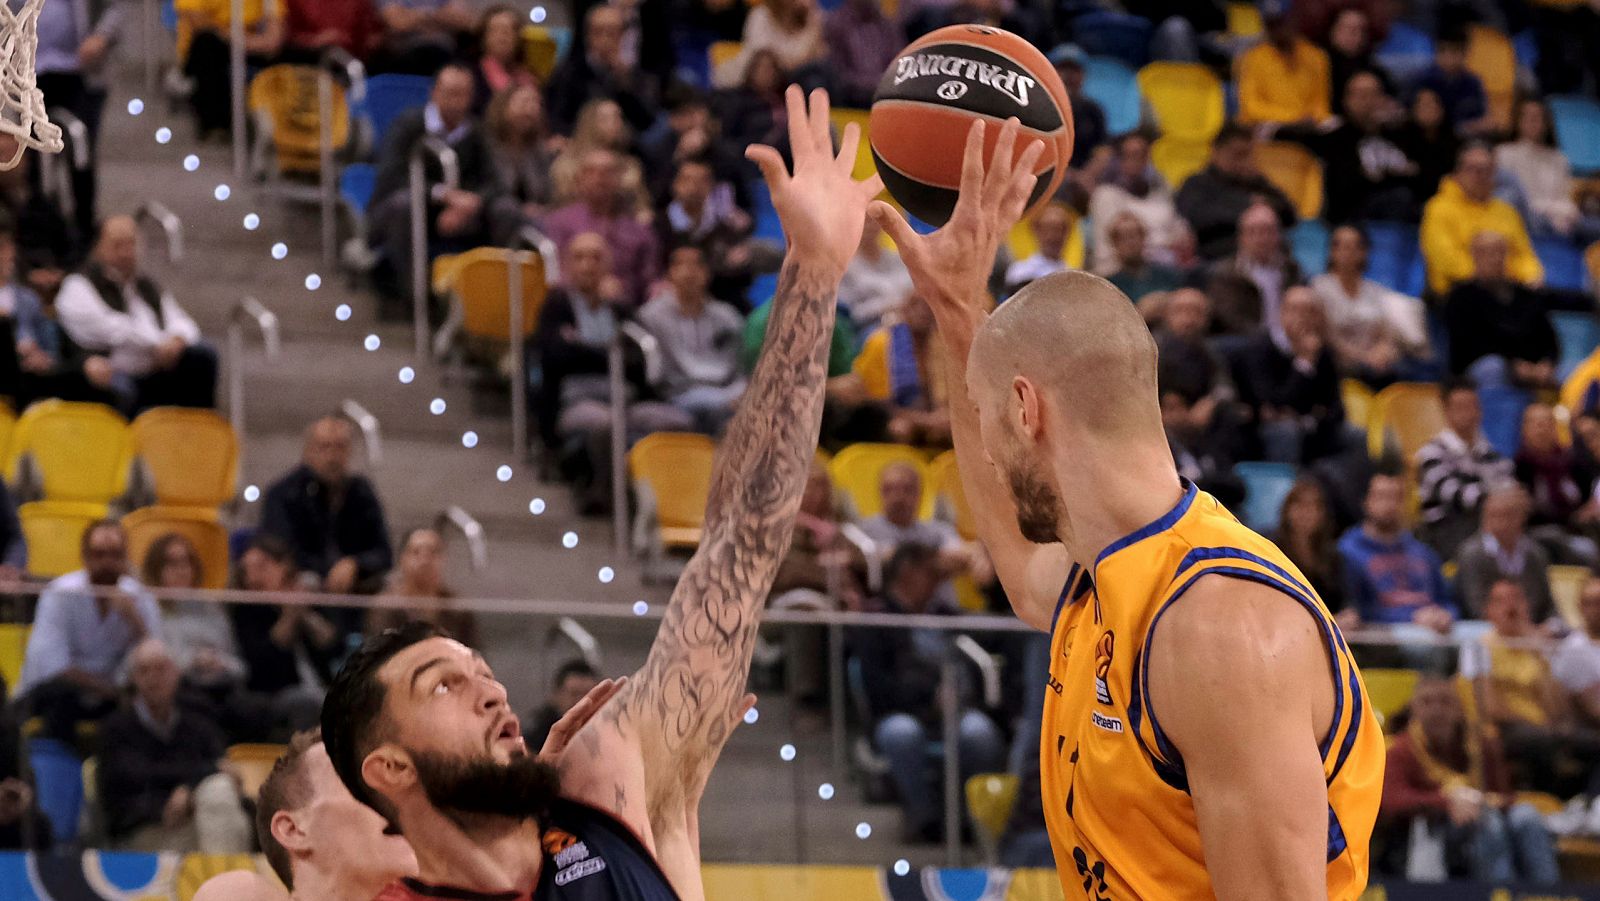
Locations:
(253, 763)
(390, 95)
(1502, 407)
(1109, 82)
(13, 646)
(1186, 99)
(58, 785)
(80, 451)
(200, 525)
(1491, 57)
(356, 183)
(1106, 33)
(1296, 173)
(1406, 52)
(721, 52)
(677, 468)
(1308, 240)
(945, 477)
(1244, 20)
(1178, 158)
(539, 51)
(1266, 485)
(990, 799)
(1412, 412)
(1577, 335)
(1357, 399)
(54, 530)
(8, 426)
(1394, 257)
(1563, 263)
(857, 469)
(1577, 122)
(479, 283)
(1566, 588)
(287, 96)
(191, 456)
(1389, 690)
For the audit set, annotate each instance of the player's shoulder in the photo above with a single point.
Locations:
(1234, 628)
(240, 885)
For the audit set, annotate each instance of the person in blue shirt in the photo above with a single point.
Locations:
(1391, 577)
(1466, 106)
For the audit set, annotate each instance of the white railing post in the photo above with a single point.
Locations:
(451, 173)
(236, 82)
(371, 433)
(519, 375)
(248, 309)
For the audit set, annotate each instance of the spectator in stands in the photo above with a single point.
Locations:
(1194, 380)
(34, 360)
(159, 783)
(1134, 273)
(23, 826)
(313, 26)
(1292, 386)
(1466, 106)
(329, 517)
(751, 112)
(520, 139)
(1576, 664)
(1464, 208)
(1285, 78)
(1502, 549)
(1213, 199)
(704, 213)
(203, 28)
(477, 211)
(699, 337)
(572, 681)
(1307, 534)
(1458, 782)
(1018, 18)
(821, 564)
(198, 633)
(600, 69)
(1544, 174)
(861, 43)
(47, 244)
(1391, 577)
(420, 579)
(1132, 185)
(1247, 288)
(421, 36)
(903, 686)
(290, 648)
(1366, 174)
(13, 543)
(79, 638)
(1050, 227)
(902, 364)
(1427, 140)
(848, 414)
(1548, 469)
(1350, 53)
(113, 308)
(876, 282)
(791, 29)
(1189, 31)
(1456, 469)
(499, 67)
(69, 60)
(1379, 336)
(599, 209)
(1500, 333)
(900, 488)
(601, 127)
(1089, 130)
(1565, 34)
(690, 132)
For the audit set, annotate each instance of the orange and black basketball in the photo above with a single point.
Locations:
(935, 88)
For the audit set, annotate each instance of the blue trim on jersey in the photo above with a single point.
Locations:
(1161, 525)
(1201, 554)
(1336, 840)
(1171, 773)
(1061, 602)
(1355, 723)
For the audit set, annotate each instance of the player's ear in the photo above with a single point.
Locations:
(287, 832)
(1030, 408)
(388, 770)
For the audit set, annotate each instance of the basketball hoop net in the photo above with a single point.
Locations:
(22, 112)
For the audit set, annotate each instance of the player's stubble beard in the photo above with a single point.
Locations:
(524, 787)
(1038, 506)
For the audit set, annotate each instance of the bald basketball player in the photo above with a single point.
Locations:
(1206, 733)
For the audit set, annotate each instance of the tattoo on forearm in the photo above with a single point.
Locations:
(695, 675)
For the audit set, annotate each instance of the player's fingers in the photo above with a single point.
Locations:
(1023, 179)
(849, 145)
(872, 186)
(898, 229)
(800, 140)
(972, 162)
(1001, 162)
(770, 162)
(821, 135)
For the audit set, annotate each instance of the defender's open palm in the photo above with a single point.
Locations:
(950, 267)
(822, 207)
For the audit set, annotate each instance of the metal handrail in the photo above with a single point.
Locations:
(470, 529)
(171, 226)
(617, 381)
(649, 348)
(237, 87)
(334, 60)
(74, 128)
(450, 169)
(371, 433)
(532, 237)
(869, 549)
(988, 670)
(581, 638)
(248, 309)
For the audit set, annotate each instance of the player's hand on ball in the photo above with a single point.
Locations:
(822, 207)
(950, 267)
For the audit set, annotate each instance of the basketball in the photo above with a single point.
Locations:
(929, 96)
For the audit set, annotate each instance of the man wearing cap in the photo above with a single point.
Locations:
(1088, 119)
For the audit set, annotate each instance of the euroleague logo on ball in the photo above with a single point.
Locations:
(1007, 81)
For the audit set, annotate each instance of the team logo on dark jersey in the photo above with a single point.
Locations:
(557, 840)
(1102, 665)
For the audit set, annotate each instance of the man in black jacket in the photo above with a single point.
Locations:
(1213, 199)
(900, 671)
(1500, 332)
(1292, 384)
(329, 516)
(598, 69)
(477, 211)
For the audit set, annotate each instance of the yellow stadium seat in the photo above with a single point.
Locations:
(13, 644)
(192, 456)
(1296, 172)
(1357, 399)
(8, 425)
(539, 51)
(1389, 690)
(1021, 244)
(1411, 411)
(990, 800)
(676, 466)
(253, 763)
(721, 52)
(857, 468)
(1566, 588)
(80, 451)
(945, 480)
(1186, 99)
(1178, 158)
(54, 530)
(198, 524)
(865, 165)
(476, 281)
(1492, 58)
(1244, 20)
(286, 96)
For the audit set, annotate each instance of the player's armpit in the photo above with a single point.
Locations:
(1241, 685)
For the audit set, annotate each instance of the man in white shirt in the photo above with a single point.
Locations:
(112, 308)
(875, 282)
(699, 337)
(1050, 229)
(1577, 661)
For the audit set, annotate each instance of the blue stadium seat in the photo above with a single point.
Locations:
(387, 97)
(1578, 334)
(356, 183)
(58, 778)
(1105, 33)
(1110, 83)
(1265, 487)
(1502, 416)
(1394, 260)
(1525, 44)
(1563, 263)
(1577, 121)
(1309, 241)
(764, 214)
(1406, 52)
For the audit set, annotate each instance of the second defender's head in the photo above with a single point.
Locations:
(1065, 367)
(416, 719)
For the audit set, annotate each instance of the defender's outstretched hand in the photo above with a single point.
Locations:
(821, 206)
(950, 267)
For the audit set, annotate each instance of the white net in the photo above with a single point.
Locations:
(22, 112)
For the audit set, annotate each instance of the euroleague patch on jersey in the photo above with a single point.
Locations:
(1102, 667)
(1108, 723)
(582, 868)
(557, 840)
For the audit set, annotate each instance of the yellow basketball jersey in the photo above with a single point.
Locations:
(1115, 793)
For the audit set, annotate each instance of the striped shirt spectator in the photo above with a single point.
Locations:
(1456, 470)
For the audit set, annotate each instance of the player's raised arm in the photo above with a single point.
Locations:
(950, 269)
